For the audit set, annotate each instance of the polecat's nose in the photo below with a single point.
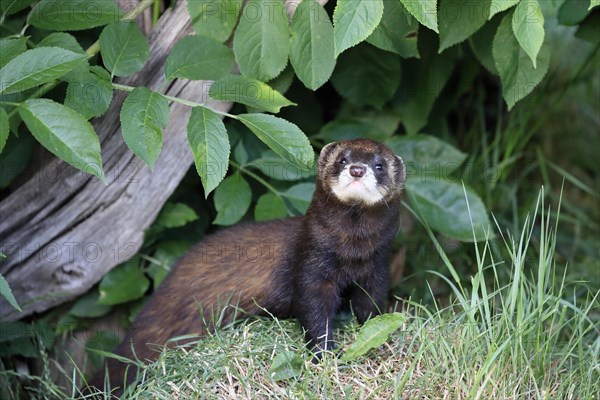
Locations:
(357, 171)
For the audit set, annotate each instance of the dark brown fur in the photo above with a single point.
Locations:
(308, 267)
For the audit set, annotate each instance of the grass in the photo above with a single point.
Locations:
(527, 338)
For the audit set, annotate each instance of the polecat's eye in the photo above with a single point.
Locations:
(379, 167)
(343, 160)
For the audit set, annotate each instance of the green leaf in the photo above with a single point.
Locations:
(99, 345)
(90, 96)
(261, 40)
(443, 206)
(15, 157)
(124, 48)
(4, 128)
(311, 46)
(397, 31)
(498, 6)
(427, 153)
(276, 167)
(528, 26)
(425, 11)
(73, 15)
(214, 18)
(199, 58)
(123, 283)
(9, 7)
(286, 365)
(269, 206)
(517, 73)
(459, 19)
(175, 215)
(373, 334)
(6, 292)
(209, 142)
(248, 91)
(87, 306)
(366, 75)
(63, 40)
(38, 66)
(346, 129)
(594, 3)
(167, 253)
(65, 133)
(283, 81)
(232, 200)
(300, 196)
(481, 44)
(354, 21)
(283, 137)
(10, 48)
(143, 116)
(572, 12)
(589, 29)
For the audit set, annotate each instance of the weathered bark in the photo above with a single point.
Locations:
(64, 229)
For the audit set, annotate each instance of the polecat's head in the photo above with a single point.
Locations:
(361, 171)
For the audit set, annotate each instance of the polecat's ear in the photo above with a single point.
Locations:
(324, 155)
(400, 171)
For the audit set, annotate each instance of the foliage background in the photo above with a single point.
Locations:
(502, 96)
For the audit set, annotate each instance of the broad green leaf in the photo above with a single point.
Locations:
(124, 48)
(250, 92)
(443, 206)
(366, 75)
(167, 253)
(594, 3)
(214, 18)
(373, 334)
(427, 154)
(269, 206)
(346, 129)
(354, 21)
(63, 40)
(528, 27)
(87, 306)
(6, 292)
(65, 133)
(481, 44)
(175, 215)
(283, 81)
(498, 6)
(459, 19)
(73, 15)
(397, 31)
(425, 11)
(90, 96)
(300, 196)
(9, 7)
(143, 116)
(4, 128)
(261, 40)
(10, 48)
(589, 29)
(573, 12)
(209, 142)
(232, 199)
(517, 73)
(123, 283)
(422, 82)
(311, 45)
(286, 365)
(199, 58)
(100, 345)
(279, 168)
(15, 156)
(283, 137)
(37, 66)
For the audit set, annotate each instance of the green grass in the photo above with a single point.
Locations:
(527, 338)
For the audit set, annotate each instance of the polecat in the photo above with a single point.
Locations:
(308, 267)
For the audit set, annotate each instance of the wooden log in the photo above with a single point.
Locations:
(63, 229)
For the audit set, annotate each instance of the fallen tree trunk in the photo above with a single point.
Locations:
(63, 229)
